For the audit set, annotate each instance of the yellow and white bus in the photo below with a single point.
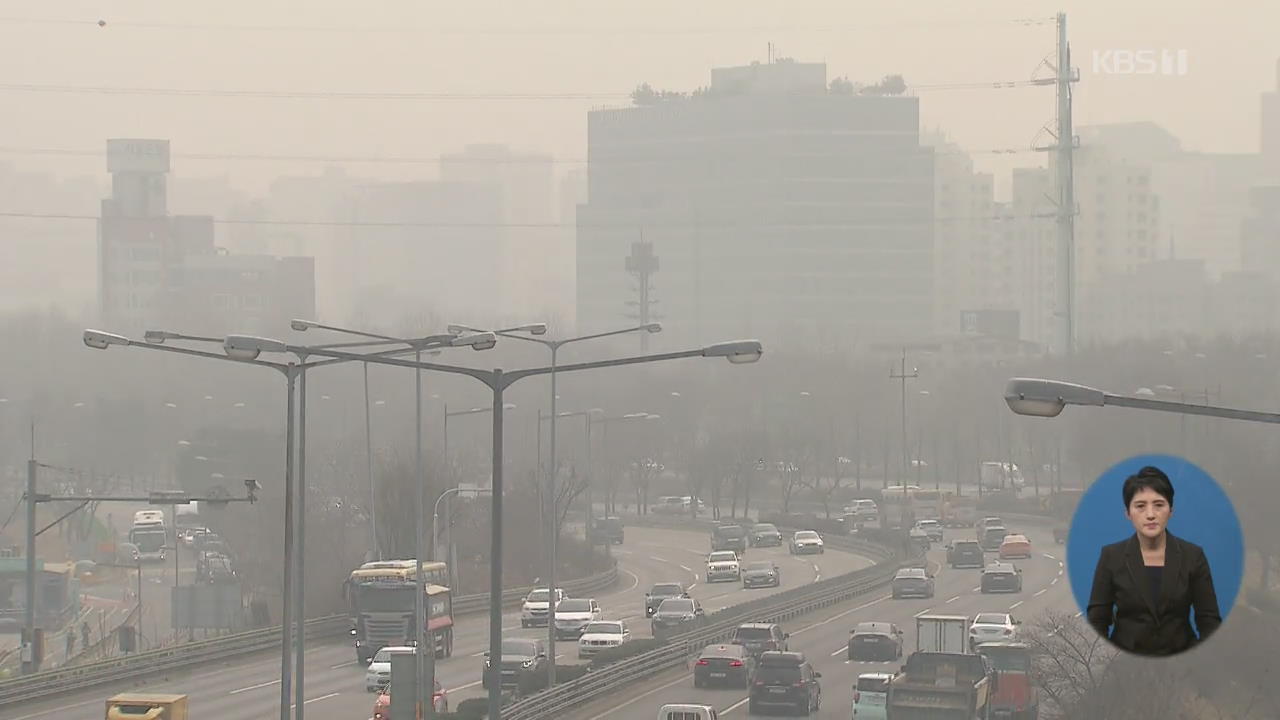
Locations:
(381, 599)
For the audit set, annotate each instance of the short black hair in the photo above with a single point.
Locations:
(1148, 478)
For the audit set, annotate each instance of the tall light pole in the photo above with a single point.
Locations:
(424, 657)
(549, 503)
(247, 353)
(498, 380)
(1038, 397)
(452, 552)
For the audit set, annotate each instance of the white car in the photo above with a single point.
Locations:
(723, 565)
(990, 627)
(602, 635)
(533, 612)
(806, 541)
(379, 672)
(574, 614)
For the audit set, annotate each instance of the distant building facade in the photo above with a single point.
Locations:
(157, 270)
(776, 207)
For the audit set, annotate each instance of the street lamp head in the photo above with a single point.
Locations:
(652, 416)
(478, 341)
(595, 411)
(99, 340)
(653, 327)
(1145, 392)
(156, 337)
(508, 406)
(456, 329)
(303, 325)
(535, 328)
(635, 416)
(737, 352)
(1046, 398)
(248, 347)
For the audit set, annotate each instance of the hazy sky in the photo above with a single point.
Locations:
(598, 48)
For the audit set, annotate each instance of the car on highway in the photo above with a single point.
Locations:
(920, 539)
(382, 706)
(992, 626)
(760, 637)
(379, 671)
(870, 694)
(785, 680)
(523, 663)
(189, 535)
(765, 535)
(674, 612)
(660, 592)
(992, 537)
(574, 614)
(1001, 577)
(729, 537)
(725, 665)
(875, 641)
(533, 611)
(986, 522)
(687, 711)
(602, 635)
(761, 573)
(723, 565)
(932, 528)
(807, 541)
(1015, 546)
(965, 554)
(864, 509)
(912, 582)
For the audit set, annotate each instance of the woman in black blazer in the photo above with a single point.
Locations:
(1147, 585)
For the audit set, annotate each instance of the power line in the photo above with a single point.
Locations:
(108, 24)
(306, 95)
(467, 160)
(647, 224)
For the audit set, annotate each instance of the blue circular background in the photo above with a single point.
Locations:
(1202, 514)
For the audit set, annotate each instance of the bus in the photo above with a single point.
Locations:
(380, 596)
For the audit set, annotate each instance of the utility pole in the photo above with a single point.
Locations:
(29, 619)
(642, 263)
(1063, 148)
(904, 376)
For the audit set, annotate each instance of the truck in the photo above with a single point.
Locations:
(729, 537)
(1015, 696)
(940, 686)
(382, 603)
(146, 706)
(942, 634)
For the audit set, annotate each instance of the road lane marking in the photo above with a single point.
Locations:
(925, 611)
(50, 711)
(684, 677)
(687, 569)
(464, 687)
(837, 617)
(657, 559)
(342, 665)
(1059, 563)
(1053, 581)
(1049, 556)
(254, 687)
(317, 699)
(954, 599)
(635, 580)
(1079, 614)
(735, 706)
(1015, 605)
(977, 589)
(843, 650)
(1038, 594)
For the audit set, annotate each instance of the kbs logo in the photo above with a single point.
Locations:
(1140, 62)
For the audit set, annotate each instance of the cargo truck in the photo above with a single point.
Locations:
(942, 679)
(147, 706)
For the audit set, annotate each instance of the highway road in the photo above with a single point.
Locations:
(248, 689)
(823, 637)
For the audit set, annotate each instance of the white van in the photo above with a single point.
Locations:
(687, 712)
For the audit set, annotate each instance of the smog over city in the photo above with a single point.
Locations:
(641, 358)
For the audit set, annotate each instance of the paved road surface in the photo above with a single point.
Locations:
(823, 637)
(249, 689)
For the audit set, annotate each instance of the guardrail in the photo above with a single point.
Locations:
(44, 685)
(720, 626)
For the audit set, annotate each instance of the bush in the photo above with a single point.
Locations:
(624, 651)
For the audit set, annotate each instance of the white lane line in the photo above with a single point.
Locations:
(478, 654)
(1059, 563)
(622, 552)
(837, 617)
(1049, 556)
(977, 589)
(342, 665)
(635, 580)
(464, 687)
(954, 599)
(50, 711)
(686, 568)
(657, 559)
(317, 699)
(1011, 607)
(692, 586)
(1038, 594)
(254, 687)
(841, 651)
(735, 706)
(1079, 614)
(684, 678)
(925, 611)
(1053, 581)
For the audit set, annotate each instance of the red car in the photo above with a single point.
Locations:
(1015, 546)
(382, 706)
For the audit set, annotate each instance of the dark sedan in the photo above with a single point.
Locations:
(523, 663)
(765, 535)
(1001, 577)
(660, 592)
(912, 582)
(875, 641)
(726, 665)
(675, 612)
(761, 573)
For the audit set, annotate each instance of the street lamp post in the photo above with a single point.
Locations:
(1038, 397)
(550, 512)
(424, 657)
(498, 380)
